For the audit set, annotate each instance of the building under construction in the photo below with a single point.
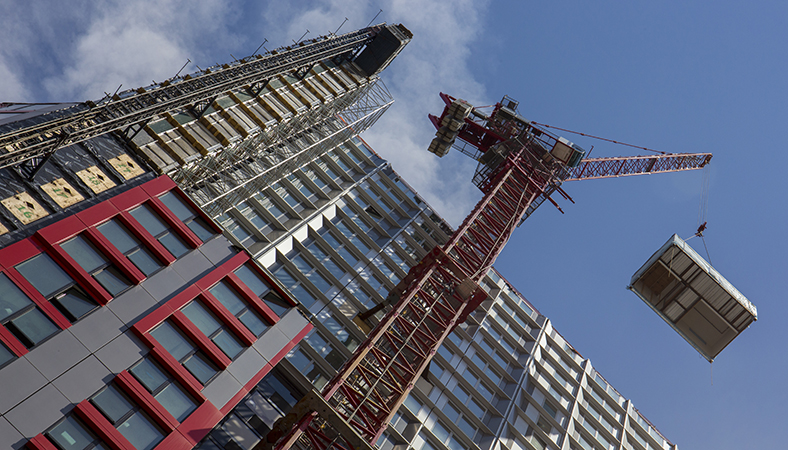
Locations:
(182, 263)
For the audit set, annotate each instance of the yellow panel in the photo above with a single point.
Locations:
(95, 179)
(24, 208)
(126, 166)
(3, 230)
(62, 193)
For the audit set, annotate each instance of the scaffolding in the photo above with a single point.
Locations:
(220, 181)
(129, 111)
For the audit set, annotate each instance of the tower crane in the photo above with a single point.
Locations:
(521, 165)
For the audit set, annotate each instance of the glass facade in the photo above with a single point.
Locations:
(504, 379)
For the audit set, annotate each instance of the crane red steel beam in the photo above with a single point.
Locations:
(622, 166)
(438, 294)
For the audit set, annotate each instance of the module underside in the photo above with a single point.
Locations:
(693, 298)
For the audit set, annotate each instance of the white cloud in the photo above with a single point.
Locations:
(11, 88)
(437, 59)
(133, 42)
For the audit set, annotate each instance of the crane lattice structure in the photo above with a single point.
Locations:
(520, 167)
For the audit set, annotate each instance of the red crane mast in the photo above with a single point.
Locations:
(520, 166)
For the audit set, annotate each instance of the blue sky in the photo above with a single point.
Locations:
(674, 76)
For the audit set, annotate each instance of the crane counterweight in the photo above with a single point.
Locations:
(520, 166)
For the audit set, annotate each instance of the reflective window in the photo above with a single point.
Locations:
(126, 416)
(130, 246)
(323, 347)
(253, 281)
(187, 215)
(184, 351)
(97, 265)
(56, 286)
(295, 286)
(162, 232)
(254, 217)
(21, 316)
(231, 224)
(307, 366)
(206, 322)
(71, 434)
(238, 307)
(164, 389)
(5, 355)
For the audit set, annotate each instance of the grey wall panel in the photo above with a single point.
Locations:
(10, 437)
(292, 323)
(192, 266)
(83, 380)
(164, 283)
(221, 389)
(19, 380)
(60, 353)
(247, 365)
(97, 329)
(218, 250)
(132, 305)
(38, 412)
(271, 343)
(121, 353)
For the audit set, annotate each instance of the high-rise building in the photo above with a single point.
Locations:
(130, 322)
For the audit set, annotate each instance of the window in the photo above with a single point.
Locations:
(443, 435)
(156, 227)
(96, 265)
(261, 288)
(71, 434)
(341, 163)
(295, 286)
(164, 389)
(456, 417)
(478, 385)
(324, 348)
(329, 171)
(184, 351)
(338, 330)
(232, 225)
(254, 217)
(351, 236)
(215, 330)
(387, 271)
(187, 215)
(126, 416)
(282, 192)
(311, 273)
(465, 398)
(255, 415)
(56, 286)
(495, 355)
(271, 207)
(127, 244)
(306, 365)
(21, 316)
(312, 175)
(238, 307)
(305, 190)
(5, 355)
(485, 367)
(340, 248)
(326, 261)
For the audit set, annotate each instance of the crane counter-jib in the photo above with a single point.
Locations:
(520, 168)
